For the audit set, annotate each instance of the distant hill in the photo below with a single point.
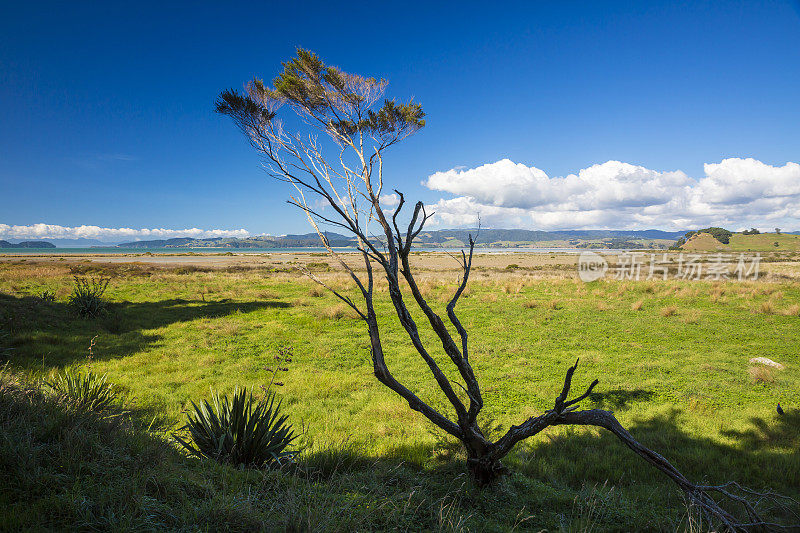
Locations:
(451, 238)
(27, 244)
(265, 241)
(81, 243)
(762, 242)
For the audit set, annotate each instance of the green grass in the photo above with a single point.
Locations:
(765, 241)
(679, 382)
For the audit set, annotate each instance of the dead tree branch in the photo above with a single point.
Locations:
(345, 109)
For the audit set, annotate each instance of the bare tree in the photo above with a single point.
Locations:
(349, 111)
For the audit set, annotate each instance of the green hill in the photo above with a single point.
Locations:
(763, 242)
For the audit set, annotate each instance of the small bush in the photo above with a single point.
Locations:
(87, 296)
(84, 391)
(512, 266)
(244, 431)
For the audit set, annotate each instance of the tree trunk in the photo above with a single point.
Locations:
(484, 469)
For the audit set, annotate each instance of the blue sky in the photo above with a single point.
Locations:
(106, 111)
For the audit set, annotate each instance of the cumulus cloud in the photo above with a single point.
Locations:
(735, 192)
(53, 231)
(390, 200)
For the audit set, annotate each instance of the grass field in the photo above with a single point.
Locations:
(672, 359)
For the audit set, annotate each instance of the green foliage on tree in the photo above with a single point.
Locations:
(721, 234)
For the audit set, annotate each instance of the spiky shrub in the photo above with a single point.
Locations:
(47, 296)
(243, 431)
(84, 391)
(87, 296)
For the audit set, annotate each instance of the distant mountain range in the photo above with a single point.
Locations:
(448, 238)
(441, 238)
(27, 244)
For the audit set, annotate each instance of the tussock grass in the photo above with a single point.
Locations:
(761, 374)
(637, 305)
(335, 312)
(316, 292)
(692, 316)
(767, 308)
(669, 310)
(679, 385)
(792, 310)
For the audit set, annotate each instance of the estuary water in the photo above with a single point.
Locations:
(112, 250)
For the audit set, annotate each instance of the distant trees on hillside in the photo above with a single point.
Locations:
(721, 234)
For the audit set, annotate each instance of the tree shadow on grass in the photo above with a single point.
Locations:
(43, 334)
(129, 478)
(765, 434)
(552, 471)
(620, 399)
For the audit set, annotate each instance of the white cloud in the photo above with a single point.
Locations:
(740, 181)
(390, 200)
(52, 231)
(735, 192)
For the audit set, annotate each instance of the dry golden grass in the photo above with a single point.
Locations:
(637, 306)
(227, 327)
(793, 310)
(692, 316)
(335, 312)
(530, 304)
(669, 310)
(514, 287)
(767, 308)
(316, 292)
(761, 374)
(716, 293)
(266, 295)
(602, 306)
(687, 292)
